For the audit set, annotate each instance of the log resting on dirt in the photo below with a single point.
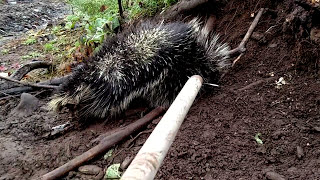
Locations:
(104, 145)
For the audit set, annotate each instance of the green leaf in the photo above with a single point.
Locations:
(48, 47)
(115, 23)
(30, 41)
(108, 154)
(113, 172)
(257, 138)
(69, 25)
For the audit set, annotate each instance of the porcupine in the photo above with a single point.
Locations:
(150, 61)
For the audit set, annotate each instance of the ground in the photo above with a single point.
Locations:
(216, 140)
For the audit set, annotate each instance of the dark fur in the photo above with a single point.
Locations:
(134, 64)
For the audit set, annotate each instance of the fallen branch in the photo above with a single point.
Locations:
(29, 84)
(106, 143)
(241, 48)
(25, 69)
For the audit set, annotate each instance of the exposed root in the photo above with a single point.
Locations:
(25, 69)
(241, 48)
(29, 84)
(17, 90)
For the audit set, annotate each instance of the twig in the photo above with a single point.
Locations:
(136, 137)
(237, 59)
(106, 143)
(28, 84)
(241, 48)
(21, 72)
(8, 95)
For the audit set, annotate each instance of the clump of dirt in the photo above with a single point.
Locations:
(271, 90)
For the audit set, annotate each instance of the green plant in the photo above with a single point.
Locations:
(4, 51)
(48, 47)
(29, 41)
(257, 138)
(32, 55)
(56, 29)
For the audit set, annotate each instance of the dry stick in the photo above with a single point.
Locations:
(237, 59)
(25, 69)
(28, 84)
(105, 144)
(241, 48)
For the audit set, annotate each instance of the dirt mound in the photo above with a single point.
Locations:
(273, 90)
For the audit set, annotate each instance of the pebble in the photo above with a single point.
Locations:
(90, 169)
(300, 153)
(315, 35)
(274, 176)
(28, 104)
(272, 45)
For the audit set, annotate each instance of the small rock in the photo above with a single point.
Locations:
(277, 134)
(28, 104)
(261, 150)
(315, 35)
(316, 128)
(272, 45)
(257, 36)
(274, 176)
(126, 162)
(292, 170)
(208, 177)
(90, 169)
(300, 153)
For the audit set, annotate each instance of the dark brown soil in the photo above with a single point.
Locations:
(216, 140)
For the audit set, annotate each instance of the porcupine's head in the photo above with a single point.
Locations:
(72, 92)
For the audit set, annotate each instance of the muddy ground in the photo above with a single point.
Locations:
(216, 141)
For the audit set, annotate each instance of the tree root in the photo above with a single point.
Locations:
(17, 90)
(104, 145)
(29, 84)
(241, 48)
(21, 72)
(25, 69)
